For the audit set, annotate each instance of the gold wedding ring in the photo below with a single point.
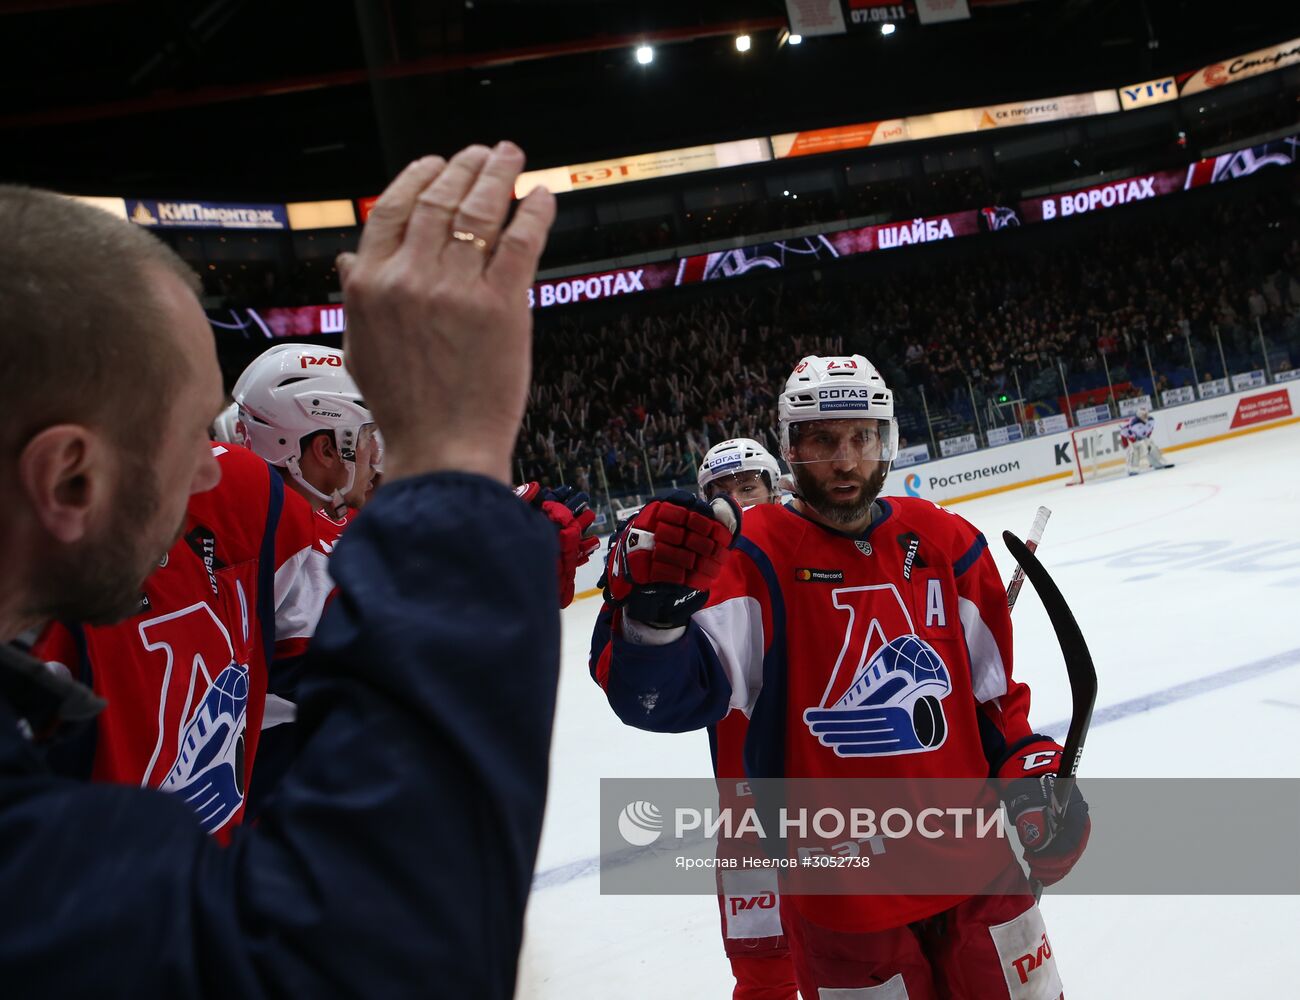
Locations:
(467, 237)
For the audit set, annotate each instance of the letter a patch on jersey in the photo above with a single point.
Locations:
(935, 614)
(886, 691)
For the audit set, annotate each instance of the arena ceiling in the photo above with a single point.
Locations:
(258, 99)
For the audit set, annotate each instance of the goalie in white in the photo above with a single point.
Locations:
(1138, 440)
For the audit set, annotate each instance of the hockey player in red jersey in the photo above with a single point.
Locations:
(744, 470)
(209, 665)
(205, 674)
(301, 411)
(187, 691)
(792, 621)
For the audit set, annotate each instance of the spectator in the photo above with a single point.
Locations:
(1257, 304)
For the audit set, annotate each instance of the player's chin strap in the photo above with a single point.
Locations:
(335, 503)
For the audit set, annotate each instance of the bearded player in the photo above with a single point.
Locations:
(704, 618)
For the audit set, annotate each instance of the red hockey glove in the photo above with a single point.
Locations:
(1052, 842)
(568, 509)
(661, 568)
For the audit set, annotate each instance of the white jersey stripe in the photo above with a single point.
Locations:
(988, 672)
(735, 630)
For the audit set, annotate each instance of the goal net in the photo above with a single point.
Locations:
(1098, 452)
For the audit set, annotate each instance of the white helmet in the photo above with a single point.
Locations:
(835, 389)
(224, 428)
(294, 390)
(739, 455)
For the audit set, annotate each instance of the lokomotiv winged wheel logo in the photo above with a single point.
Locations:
(202, 713)
(896, 682)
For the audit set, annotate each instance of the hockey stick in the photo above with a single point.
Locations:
(1031, 543)
(1078, 665)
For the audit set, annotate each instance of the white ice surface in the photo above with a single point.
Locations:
(1175, 577)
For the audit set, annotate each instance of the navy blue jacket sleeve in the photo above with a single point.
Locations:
(396, 857)
(672, 688)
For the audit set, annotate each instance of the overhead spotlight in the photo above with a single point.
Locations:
(786, 193)
(795, 39)
(742, 43)
(645, 55)
(887, 29)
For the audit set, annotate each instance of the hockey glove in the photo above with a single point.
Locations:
(568, 509)
(1053, 841)
(661, 567)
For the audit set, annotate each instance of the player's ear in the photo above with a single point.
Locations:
(66, 473)
(323, 449)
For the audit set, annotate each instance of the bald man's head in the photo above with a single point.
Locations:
(81, 340)
(109, 377)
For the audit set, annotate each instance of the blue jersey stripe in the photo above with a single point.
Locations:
(266, 566)
(972, 555)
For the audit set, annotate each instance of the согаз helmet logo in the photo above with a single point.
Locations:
(640, 823)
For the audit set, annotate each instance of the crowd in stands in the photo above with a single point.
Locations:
(640, 398)
(630, 395)
(623, 399)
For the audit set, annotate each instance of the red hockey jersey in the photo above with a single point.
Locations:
(885, 655)
(302, 585)
(186, 677)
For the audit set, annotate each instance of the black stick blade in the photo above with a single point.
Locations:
(1078, 661)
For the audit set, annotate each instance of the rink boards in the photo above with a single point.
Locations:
(1051, 457)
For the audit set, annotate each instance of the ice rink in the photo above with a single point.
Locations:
(1186, 583)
